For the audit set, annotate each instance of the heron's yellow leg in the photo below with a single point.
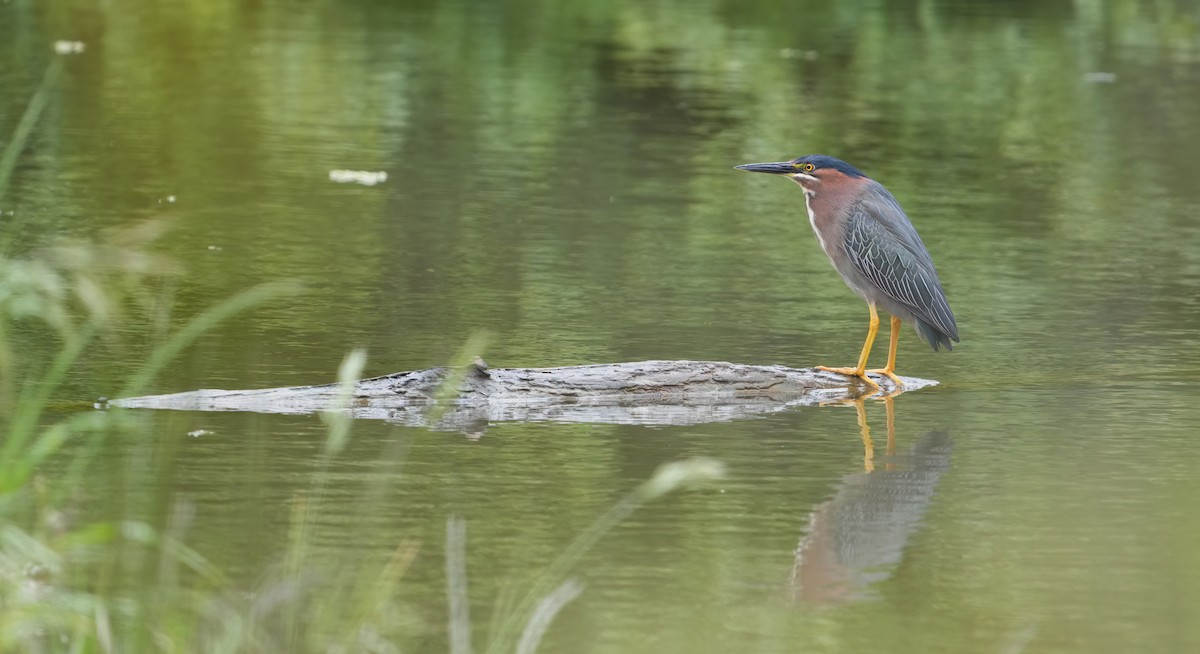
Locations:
(861, 370)
(889, 370)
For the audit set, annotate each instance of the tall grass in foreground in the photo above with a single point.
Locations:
(57, 588)
(60, 587)
(64, 586)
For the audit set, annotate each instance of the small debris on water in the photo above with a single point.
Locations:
(69, 47)
(197, 433)
(1099, 77)
(215, 248)
(364, 177)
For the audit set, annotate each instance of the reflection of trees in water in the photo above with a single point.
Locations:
(529, 96)
(857, 538)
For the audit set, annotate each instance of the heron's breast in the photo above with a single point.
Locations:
(812, 221)
(826, 222)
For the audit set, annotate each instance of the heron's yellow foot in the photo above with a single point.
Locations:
(887, 372)
(853, 372)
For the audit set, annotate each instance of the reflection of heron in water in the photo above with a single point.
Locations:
(857, 538)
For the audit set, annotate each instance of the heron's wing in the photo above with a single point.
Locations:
(879, 203)
(898, 266)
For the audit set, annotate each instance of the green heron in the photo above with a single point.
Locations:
(875, 249)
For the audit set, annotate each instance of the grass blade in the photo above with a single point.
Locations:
(200, 324)
(456, 585)
(545, 613)
(33, 111)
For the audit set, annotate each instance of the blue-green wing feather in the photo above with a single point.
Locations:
(885, 248)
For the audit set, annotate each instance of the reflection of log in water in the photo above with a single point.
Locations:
(857, 538)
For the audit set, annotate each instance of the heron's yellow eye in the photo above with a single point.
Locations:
(808, 168)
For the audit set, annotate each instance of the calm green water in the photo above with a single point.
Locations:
(559, 177)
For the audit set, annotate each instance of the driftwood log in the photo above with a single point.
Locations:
(643, 392)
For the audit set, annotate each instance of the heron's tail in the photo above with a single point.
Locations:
(935, 336)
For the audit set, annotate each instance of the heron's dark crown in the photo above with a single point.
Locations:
(820, 161)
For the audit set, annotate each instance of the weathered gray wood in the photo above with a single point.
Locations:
(643, 392)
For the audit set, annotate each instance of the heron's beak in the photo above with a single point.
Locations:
(778, 168)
